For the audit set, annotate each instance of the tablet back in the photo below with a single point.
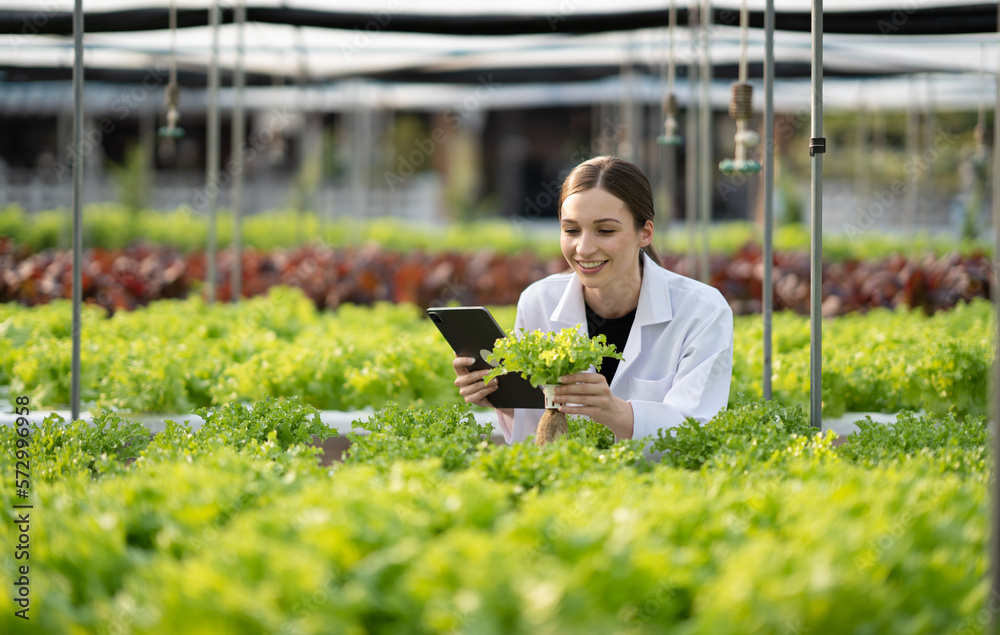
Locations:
(471, 331)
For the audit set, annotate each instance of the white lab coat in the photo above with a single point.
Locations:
(678, 360)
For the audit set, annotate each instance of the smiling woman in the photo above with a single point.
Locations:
(675, 334)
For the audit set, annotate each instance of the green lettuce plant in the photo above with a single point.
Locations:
(542, 358)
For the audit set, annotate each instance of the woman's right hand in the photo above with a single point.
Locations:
(470, 384)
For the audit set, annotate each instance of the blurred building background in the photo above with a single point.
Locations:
(364, 120)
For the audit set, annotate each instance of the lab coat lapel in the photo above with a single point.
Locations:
(654, 307)
(570, 310)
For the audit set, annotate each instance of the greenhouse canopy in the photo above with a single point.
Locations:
(427, 55)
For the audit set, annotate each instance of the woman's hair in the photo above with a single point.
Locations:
(621, 179)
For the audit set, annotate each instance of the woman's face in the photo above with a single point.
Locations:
(599, 239)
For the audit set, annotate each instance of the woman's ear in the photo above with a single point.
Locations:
(646, 234)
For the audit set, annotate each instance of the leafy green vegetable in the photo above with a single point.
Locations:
(61, 450)
(177, 356)
(543, 357)
(957, 445)
(450, 433)
(292, 422)
(430, 528)
(111, 225)
(749, 434)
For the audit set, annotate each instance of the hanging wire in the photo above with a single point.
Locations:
(741, 109)
(670, 136)
(172, 130)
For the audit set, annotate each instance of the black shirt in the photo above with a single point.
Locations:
(615, 330)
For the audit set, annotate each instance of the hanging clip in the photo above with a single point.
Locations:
(817, 145)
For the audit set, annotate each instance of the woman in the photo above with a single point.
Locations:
(676, 334)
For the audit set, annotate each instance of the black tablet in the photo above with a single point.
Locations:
(471, 331)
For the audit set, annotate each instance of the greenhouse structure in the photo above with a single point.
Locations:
(525, 317)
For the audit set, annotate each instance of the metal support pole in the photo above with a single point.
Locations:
(767, 290)
(912, 183)
(627, 105)
(995, 538)
(77, 205)
(691, 148)
(926, 210)
(212, 159)
(361, 146)
(705, 139)
(817, 146)
(238, 134)
(862, 152)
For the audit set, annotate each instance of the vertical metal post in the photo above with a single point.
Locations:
(862, 152)
(926, 210)
(236, 159)
(705, 139)
(817, 146)
(912, 134)
(77, 205)
(668, 157)
(360, 143)
(212, 158)
(627, 105)
(691, 147)
(995, 538)
(767, 290)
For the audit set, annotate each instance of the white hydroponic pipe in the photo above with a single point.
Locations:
(77, 205)
(817, 146)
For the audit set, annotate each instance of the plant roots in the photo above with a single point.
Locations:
(552, 425)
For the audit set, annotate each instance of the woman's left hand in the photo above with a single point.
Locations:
(593, 396)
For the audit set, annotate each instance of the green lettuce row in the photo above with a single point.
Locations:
(228, 530)
(174, 356)
(111, 226)
(750, 436)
